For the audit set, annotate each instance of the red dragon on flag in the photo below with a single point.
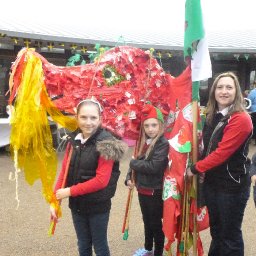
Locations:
(183, 219)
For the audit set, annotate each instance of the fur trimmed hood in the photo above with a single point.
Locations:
(112, 149)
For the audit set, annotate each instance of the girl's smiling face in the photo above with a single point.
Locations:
(88, 119)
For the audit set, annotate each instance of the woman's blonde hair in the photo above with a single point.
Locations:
(152, 144)
(237, 105)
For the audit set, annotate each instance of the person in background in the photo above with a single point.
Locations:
(252, 110)
(253, 169)
(148, 168)
(246, 93)
(226, 136)
(92, 178)
(253, 176)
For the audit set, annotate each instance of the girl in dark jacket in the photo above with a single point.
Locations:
(148, 170)
(92, 177)
(226, 138)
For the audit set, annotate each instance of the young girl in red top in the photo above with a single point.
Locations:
(148, 170)
(226, 136)
(92, 178)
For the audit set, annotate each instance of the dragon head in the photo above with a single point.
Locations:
(122, 79)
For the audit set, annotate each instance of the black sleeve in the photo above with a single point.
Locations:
(193, 169)
(128, 176)
(157, 162)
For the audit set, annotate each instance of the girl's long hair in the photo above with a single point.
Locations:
(152, 144)
(237, 105)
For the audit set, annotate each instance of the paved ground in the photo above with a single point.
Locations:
(24, 231)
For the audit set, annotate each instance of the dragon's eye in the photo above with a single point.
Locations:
(107, 73)
(111, 75)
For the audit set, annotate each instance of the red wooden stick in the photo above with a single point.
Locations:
(126, 210)
(53, 220)
(130, 194)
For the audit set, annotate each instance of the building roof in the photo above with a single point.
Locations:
(239, 41)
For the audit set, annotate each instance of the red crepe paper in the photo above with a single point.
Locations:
(139, 79)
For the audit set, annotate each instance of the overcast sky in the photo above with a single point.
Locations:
(132, 15)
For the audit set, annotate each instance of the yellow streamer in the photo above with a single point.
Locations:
(30, 135)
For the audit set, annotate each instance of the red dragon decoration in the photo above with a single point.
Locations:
(122, 79)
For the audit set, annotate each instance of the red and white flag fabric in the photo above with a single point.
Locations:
(178, 132)
(185, 89)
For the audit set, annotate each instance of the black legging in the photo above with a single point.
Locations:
(152, 213)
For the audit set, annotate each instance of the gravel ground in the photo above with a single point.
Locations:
(24, 231)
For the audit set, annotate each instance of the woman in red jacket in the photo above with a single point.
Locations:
(92, 178)
(226, 136)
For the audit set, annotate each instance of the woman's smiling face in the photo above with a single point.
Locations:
(225, 92)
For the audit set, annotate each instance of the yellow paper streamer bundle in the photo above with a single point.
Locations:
(30, 135)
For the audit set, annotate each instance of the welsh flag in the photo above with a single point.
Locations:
(195, 42)
(179, 135)
(180, 130)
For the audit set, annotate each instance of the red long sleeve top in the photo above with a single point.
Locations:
(235, 133)
(100, 181)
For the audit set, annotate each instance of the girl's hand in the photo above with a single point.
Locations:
(189, 173)
(253, 180)
(63, 193)
(53, 213)
(130, 184)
